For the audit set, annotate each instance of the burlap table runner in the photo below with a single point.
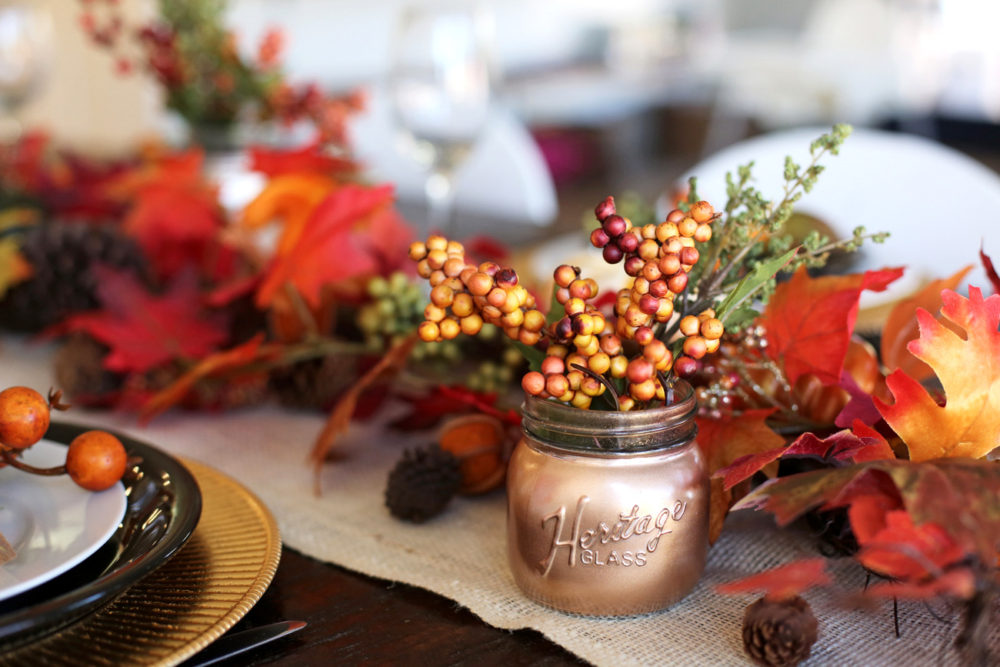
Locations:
(461, 554)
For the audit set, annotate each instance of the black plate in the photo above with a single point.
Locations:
(163, 507)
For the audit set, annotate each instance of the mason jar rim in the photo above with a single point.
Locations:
(567, 427)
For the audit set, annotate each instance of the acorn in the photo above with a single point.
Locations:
(477, 441)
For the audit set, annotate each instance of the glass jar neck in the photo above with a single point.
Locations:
(570, 428)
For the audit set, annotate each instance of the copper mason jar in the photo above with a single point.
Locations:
(607, 512)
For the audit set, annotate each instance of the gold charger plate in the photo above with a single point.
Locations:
(188, 602)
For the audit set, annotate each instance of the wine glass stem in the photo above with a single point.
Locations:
(440, 192)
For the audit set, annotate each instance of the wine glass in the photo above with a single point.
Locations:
(25, 44)
(440, 91)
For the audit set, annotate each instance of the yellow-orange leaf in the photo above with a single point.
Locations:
(968, 368)
(340, 416)
(901, 326)
(722, 441)
(290, 199)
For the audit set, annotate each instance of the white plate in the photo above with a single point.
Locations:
(51, 522)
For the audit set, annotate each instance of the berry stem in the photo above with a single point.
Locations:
(600, 378)
(10, 458)
(302, 311)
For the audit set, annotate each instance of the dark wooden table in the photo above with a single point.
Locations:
(354, 619)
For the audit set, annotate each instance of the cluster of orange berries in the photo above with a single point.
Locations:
(464, 296)
(658, 257)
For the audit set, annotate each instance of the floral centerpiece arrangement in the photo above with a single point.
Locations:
(164, 300)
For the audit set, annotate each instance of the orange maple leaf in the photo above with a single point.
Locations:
(809, 321)
(723, 441)
(969, 371)
(901, 326)
(290, 199)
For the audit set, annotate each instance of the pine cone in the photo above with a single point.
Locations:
(422, 483)
(313, 384)
(80, 372)
(779, 633)
(62, 255)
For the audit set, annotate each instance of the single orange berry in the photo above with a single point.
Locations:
(96, 460)
(24, 417)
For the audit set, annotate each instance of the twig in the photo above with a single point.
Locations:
(602, 380)
(10, 458)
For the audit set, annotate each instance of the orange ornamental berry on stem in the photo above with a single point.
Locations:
(437, 242)
(471, 324)
(428, 331)
(417, 251)
(702, 211)
(665, 311)
(689, 325)
(96, 460)
(639, 370)
(666, 230)
(479, 284)
(642, 391)
(694, 346)
(529, 338)
(703, 234)
(24, 417)
(591, 386)
(534, 320)
(436, 258)
(655, 351)
(556, 384)
(442, 296)
(454, 267)
(712, 345)
(463, 305)
(689, 256)
(712, 328)
(685, 366)
(497, 297)
(611, 344)
(676, 216)
(455, 249)
(580, 400)
(677, 282)
(552, 365)
(450, 328)
(575, 359)
(687, 227)
(619, 366)
(644, 335)
(564, 275)
(599, 363)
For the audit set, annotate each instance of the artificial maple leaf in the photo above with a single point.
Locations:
(842, 446)
(904, 551)
(957, 582)
(901, 326)
(174, 213)
(336, 244)
(442, 401)
(781, 583)
(290, 199)
(969, 371)
(809, 321)
(214, 364)
(144, 330)
(311, 158)
(340, 416)
(961, 495)
(724, 440)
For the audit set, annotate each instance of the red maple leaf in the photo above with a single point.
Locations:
(809, 321)
(991, 270)
(174, 213)
(782, 582)
(864, 444)
(310, 158)
(352, 233)
(144, 330)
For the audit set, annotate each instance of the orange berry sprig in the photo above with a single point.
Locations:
(658, 258)
(95, 460)
(464, 296)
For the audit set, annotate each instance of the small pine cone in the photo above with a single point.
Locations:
(779, 633)
(313, 384)
(80, 372)
(422, 483)
(62, 256)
